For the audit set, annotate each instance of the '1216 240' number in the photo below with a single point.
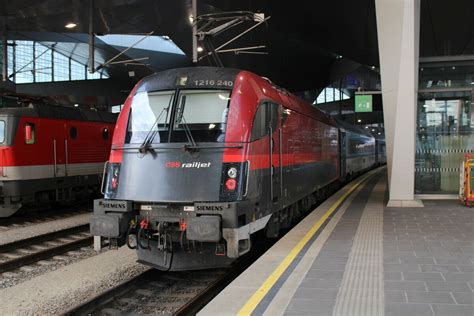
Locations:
(218, 83)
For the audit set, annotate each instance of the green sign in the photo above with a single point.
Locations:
(363, 103)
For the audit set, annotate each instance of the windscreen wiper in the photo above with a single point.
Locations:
(148, 139)
(187, 131)
(150, 136)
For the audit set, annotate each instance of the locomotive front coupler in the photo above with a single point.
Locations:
(151, 228)
(165, 240)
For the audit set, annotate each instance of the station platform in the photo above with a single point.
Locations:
(354, 256)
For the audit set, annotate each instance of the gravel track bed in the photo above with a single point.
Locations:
(39, 217)
(14, 277)
(83, 294)
(34, 230)
(163, 294)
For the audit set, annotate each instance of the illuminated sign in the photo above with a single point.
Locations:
(363, 103)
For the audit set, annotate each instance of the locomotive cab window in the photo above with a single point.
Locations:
(2, 132)
(73, 132)
(29, 133)
(149, 117)
(265, 118)
(202, 115)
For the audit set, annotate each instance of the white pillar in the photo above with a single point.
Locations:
(398, 37)
(97, 243)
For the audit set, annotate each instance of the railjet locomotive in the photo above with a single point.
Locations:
(202, 158)
(50, 154)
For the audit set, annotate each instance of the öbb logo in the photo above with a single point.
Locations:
(187, 165)
(173, 164)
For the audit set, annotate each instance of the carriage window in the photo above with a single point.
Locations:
(2, 131)
(29, 133)
(105, 133)
(284, 116)
(73, 132)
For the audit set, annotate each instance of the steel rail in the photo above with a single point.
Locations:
(97, 301)
(44, 254)
(40, 214)
(23, 243)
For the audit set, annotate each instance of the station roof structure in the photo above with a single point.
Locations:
(309, 43)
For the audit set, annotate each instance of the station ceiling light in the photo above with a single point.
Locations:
(70, 25)
(199, 49)
(373, 130)
(76, 105)
(359, 120)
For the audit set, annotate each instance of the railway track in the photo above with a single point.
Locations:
(153, 292)
(38, 217)
(168, 293)
(30, 250)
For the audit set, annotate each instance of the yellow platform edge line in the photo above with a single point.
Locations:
(253, 301)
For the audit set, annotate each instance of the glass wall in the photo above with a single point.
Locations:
(445, 128)
(30, 61)
(330, 94)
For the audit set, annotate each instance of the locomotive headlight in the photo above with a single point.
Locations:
(232, 172)
(113, 176)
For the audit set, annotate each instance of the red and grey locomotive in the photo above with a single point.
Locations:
(50, 154)
(202, 158)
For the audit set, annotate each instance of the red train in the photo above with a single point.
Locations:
(51, 153)
(204, 157)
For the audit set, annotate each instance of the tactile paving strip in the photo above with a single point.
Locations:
(362, 290)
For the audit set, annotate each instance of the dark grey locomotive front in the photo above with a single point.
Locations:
(168, 196)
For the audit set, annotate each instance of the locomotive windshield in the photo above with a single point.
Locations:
(150, 112)
(200, 115)
(204, 113)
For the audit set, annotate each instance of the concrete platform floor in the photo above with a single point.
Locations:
(367, 260)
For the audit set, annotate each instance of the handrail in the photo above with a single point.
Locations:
(66, 157)
(247, 180)
(55, 158)
(103, 178)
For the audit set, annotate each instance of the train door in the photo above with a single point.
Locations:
(343, 154)
(59, 150)
(275, 148)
